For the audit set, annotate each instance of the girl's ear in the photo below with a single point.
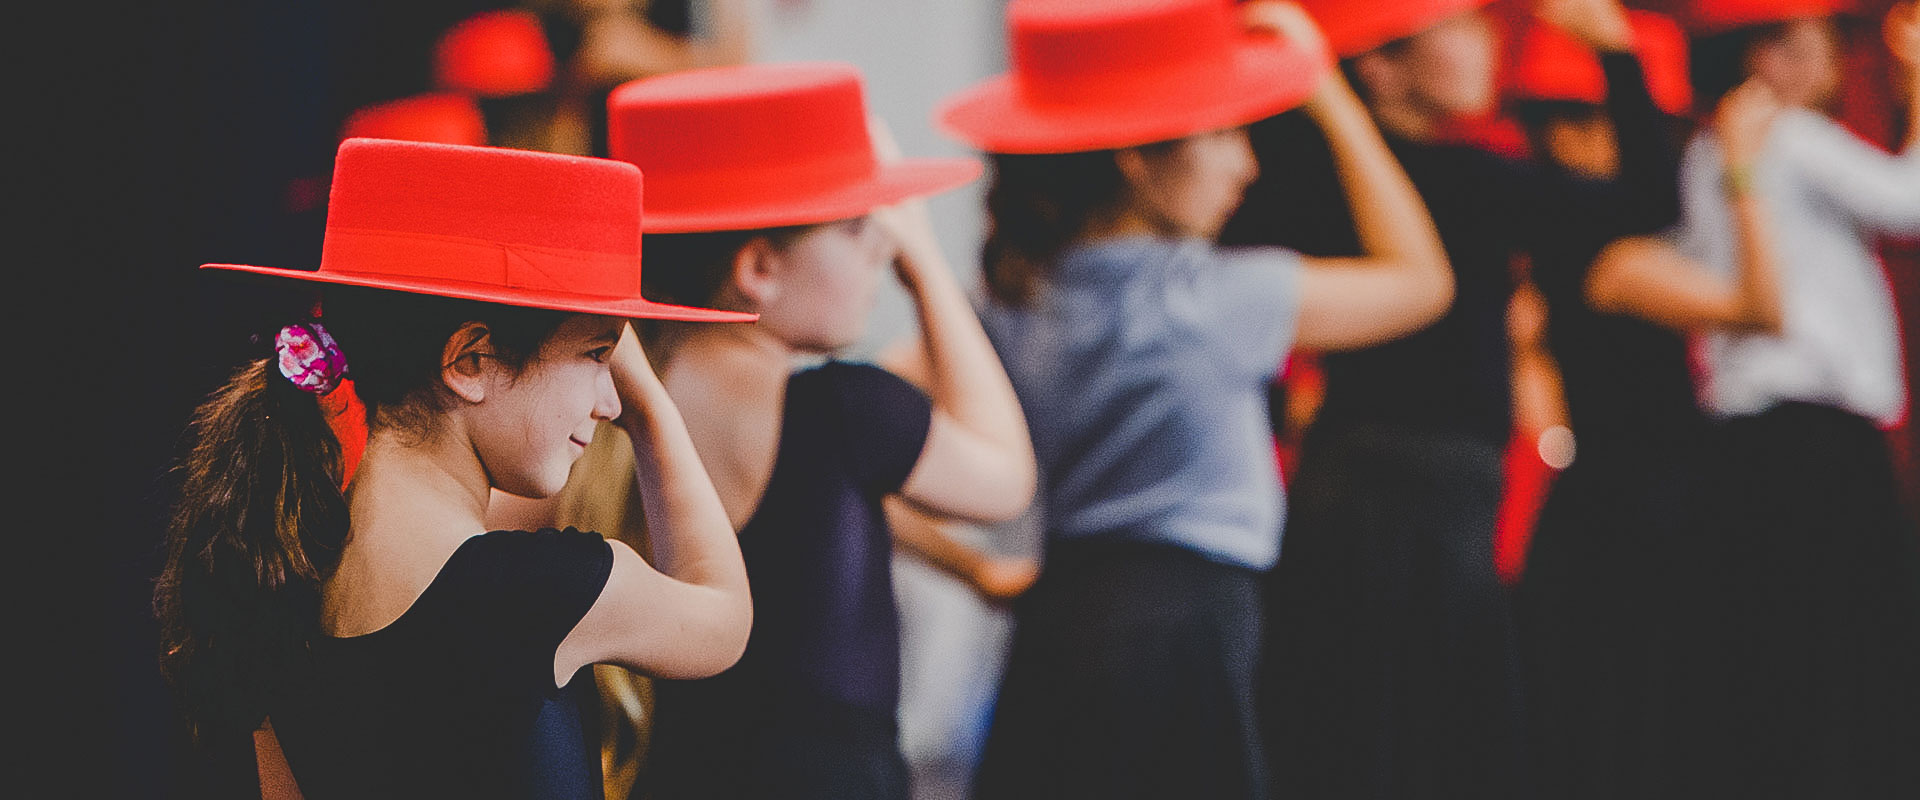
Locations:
(466, 362)
(756, 272)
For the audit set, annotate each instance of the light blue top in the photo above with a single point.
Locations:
(1143, 365)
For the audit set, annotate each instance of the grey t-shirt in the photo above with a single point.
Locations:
(1142, 365)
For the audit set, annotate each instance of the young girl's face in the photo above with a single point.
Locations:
(1194, 185)
(1452, 68)
(534, 423)
(825, 282)
(1801, 64)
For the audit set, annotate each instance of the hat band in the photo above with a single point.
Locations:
(390, 254)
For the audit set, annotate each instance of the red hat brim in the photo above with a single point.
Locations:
(891, 183)
(1267, 77)
(637, 308)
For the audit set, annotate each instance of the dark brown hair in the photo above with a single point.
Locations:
(261, 516)
(1037, 205)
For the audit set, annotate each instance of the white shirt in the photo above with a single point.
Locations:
(1826, 194)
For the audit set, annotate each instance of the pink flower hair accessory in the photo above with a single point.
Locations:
(310, 358)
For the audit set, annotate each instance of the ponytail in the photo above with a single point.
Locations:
(261, 517)
(259, 525)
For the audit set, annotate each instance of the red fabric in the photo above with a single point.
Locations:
(1551, 65)
(1496, 134)
(761, 145)
(494, 54)
(1094, 76)
(348, 418)
(1712, 16)
(488, 224)
(440, 117)
(1356, 26)
(1528, 480)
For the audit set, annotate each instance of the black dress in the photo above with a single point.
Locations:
(1390, 664)
(809, 712)
(1604, 607)
(456, 698)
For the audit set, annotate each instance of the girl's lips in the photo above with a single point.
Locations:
(576, 440)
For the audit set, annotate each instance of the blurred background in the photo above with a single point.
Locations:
(164, 135)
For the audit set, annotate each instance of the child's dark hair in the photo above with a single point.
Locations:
(1037, 205)
(1718, 62)
(690, 269)
(261, 517)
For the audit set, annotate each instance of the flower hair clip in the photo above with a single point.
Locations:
(309, 357)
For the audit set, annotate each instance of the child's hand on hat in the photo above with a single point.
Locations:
(1743, 119)
(635, 381)
(1599, 24)
(1903, 34)
(1289, 21)
(907, 223)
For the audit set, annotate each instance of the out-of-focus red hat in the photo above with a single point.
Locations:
(1353, 27)
(761, 146)
(1119, 73)
(441, 117)
(482, 223)
(1715, 16)
(494, 54)
(1551, 65)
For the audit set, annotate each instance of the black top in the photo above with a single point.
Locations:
(1628, 383)
(818, 552)
(818, 548)
(1454, 376)
(456, 698)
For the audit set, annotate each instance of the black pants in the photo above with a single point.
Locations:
(1605, 618)
(1389, 661)
(1131, 676)
(769, 743)
(1808, 681)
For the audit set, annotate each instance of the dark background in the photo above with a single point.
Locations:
(150, 137)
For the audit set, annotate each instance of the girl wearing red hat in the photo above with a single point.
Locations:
(1603, 663)
(1815, 570)
(1392, 667)
(1141, 353)
(764, 193)
(478, 298)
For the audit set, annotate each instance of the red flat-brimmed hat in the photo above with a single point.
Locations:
(762, 146)
(442, 117)
(494, 54)
(1716, 16)
(1353, 27)
(1552, 65)
(484, 223)
(1121, 73)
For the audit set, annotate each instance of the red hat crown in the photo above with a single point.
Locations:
(1552, 65)
(1714, 16)
(1119, 73)
(490, 224)
(494, 54)
(441, 117)
(1079, 53)
(1353, 27)
(761, 145)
